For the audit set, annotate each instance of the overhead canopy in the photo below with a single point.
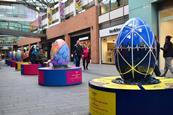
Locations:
(40, 5)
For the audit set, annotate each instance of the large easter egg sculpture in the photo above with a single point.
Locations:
(10, 55)
(19, 55)
(14, 55)
(135, 55)
(60, 53)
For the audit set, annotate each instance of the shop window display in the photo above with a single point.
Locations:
(108, 49)
(104, 6)
(115, 4)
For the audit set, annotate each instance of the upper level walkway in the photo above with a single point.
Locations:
(18, 29)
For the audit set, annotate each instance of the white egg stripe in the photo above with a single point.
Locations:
(126, 72)
(142, 38)
(132, 51)
(118, 38)
(139, 72)
(127, 27)
(136, 66)
(132, 41)
(129, 64)
(118, 61)
(154, 56)
(124, 38)
(148, 65)
(140, 26)
(148, 34)
(124, 59)
(142, 59)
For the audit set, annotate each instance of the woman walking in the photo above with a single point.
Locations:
(86, 56)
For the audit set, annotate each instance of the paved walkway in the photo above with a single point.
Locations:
(21, 95)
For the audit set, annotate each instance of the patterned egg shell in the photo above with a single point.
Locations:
(135, 53)
(60, 53)
(10, 55)
(18, 55)
(14, 55)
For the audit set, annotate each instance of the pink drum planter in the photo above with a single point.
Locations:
(30, 69)
(59, 76)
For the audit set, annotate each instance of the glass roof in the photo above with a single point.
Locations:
(39, 5)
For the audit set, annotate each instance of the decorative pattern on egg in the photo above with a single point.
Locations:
(60, 53)
(135, 53)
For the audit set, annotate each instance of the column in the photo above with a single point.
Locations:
(67, 40)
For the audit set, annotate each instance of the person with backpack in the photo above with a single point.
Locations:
(168, 55)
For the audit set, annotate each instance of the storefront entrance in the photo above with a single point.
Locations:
(84, 39)
(165, 28)
(108, 47)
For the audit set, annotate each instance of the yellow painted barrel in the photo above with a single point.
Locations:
(18, 65)
(108, 98)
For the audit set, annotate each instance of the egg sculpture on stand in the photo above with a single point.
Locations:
(18, 55)
(59, 73)
(135, 53)
(60, 54)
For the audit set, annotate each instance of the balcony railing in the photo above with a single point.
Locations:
(16, 26)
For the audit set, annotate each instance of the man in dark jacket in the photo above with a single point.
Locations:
(168, 54)
(78, 50)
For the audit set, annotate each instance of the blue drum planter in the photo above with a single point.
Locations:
(59, 74)
(59, 77)
(135, 91)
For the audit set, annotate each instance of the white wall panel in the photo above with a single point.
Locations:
(103, 18)
(116, 13)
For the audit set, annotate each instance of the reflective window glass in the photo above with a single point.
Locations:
(104, 6)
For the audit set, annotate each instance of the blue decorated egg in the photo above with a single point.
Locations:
(135, 54)
(60, 53)
(19, 55)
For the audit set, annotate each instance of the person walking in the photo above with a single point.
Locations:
(78, 50)
(157, 69)
(86, 57)
(168, 55)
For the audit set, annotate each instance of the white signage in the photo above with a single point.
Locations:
(110, 31)
(83, 38)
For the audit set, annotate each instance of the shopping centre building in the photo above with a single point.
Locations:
(97, 23)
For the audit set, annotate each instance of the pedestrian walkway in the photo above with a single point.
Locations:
(21, 95)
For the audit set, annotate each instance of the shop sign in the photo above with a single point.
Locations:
(115, 30)
(110, 31)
